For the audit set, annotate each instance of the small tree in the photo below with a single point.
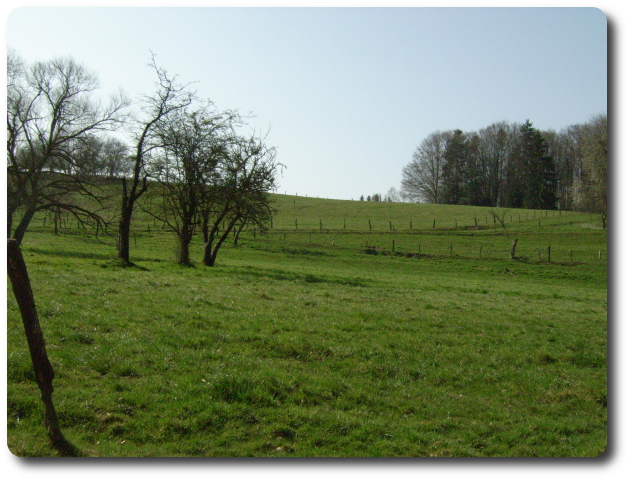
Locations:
(238, 193)
(500, 217)
(169, 97)
(193, 144)
(393, 195)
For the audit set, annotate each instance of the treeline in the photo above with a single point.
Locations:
(514, 166)
(64, 151)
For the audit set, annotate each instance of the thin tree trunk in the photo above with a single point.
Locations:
(44, 373)
(210, 251)
(124, 229)
(513, 250)
(208, 260)
(130, 196)
(20, 230)
(238, 233)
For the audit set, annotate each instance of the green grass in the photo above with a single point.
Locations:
(295, 347)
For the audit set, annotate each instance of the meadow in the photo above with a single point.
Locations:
(347, 329)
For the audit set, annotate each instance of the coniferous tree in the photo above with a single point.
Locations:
(539, 170)
(453, 173)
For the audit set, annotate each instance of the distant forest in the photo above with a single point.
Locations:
(513, 165)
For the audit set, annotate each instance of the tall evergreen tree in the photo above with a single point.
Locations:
(453, 173)
(539, 170)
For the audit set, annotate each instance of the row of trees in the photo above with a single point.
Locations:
(392, 195)
(512, 165)
(62, 155)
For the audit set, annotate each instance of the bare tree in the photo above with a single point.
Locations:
(194, 143)
(392, 195)
(169, 97)
(51, 111)
(239, 193)
(592, 186)
(422, 177)
(115, 161)
(500, 217)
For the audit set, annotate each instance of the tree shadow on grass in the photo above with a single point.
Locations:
(65, 254)
(275, 274)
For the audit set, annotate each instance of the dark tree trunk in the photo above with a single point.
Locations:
(44, 373)
(130, 196)
(20, 230)
(124, 229)
(513, 250)
(183, 253)
(210, 251)
(208, 258)
(238, 233)
(185, 236)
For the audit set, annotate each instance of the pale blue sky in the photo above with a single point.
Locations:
(348, 93)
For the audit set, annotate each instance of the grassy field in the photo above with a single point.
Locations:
(406, 339)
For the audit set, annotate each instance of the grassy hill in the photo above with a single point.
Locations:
(320, 340)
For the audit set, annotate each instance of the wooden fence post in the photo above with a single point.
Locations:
(370, 224)
(434, 223)
(549, 253)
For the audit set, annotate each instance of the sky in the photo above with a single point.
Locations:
(346, 94)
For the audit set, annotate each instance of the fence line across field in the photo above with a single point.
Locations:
(461, 249)
(338, 235)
